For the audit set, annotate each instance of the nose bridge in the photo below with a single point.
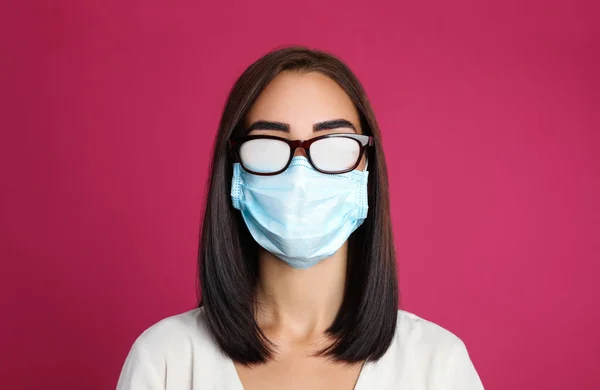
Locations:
(300, 151)
(299, 148)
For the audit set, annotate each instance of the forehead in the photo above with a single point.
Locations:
(302, 99)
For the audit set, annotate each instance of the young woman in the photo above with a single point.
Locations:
(297, 261)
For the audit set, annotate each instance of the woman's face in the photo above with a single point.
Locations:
(300, 106)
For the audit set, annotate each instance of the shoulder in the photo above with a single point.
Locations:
(425, 352)
(176, 328)
(181, 345)
(415, 331)
(422, 340)
(179, 335)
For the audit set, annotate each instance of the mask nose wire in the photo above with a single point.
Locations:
(302, 153)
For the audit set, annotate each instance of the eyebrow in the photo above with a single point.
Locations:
(333, 124)
(326, 125)
(267, 125)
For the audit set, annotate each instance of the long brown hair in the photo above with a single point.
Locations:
(228, 255)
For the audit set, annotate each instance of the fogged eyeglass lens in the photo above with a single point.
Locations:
(264, 155)
(335, 154)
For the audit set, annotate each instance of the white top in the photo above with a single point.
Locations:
(179, 353)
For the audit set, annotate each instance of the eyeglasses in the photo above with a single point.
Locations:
(270, 155)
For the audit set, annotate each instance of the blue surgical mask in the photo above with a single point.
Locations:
(301, 215)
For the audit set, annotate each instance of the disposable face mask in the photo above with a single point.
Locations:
(301, 215)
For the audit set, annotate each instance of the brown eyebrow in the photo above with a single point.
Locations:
(326, 125)
(333, 124)
(267, 125)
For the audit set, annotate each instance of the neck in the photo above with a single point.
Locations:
(299, 305)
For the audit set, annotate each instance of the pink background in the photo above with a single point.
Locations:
(489, 114)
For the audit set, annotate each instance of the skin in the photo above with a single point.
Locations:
(295, 307)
